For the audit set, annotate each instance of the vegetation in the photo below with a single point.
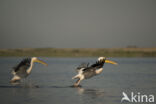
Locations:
(80, 52)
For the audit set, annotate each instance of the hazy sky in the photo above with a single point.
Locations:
(77, 23)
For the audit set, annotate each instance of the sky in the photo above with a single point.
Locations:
(77, 23)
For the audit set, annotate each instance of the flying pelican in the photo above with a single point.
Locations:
(23, 69)
(85, 71)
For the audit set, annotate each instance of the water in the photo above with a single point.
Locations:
(51, 84)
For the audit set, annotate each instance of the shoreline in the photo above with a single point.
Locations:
(79, 52)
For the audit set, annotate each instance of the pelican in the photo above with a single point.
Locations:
(24, 68)
(85, 71)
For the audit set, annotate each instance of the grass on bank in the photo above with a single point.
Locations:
(80, 52)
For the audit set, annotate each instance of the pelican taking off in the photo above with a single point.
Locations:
(23, 69)
(85, 71)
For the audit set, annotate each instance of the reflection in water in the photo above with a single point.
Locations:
(91, 95)
(19, 86)
(90, 92)
(4, 86)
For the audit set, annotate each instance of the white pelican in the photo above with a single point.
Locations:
(23, 69)
(85, 71)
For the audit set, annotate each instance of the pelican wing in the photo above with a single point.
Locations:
(24, 64)
(98, 64)
(82, 66)
(89, 69)
(95, 66)
(22, 69)
(89, 72)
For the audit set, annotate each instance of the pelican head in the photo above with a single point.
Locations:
(103, 59)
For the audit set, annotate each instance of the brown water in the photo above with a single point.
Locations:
(51, 84)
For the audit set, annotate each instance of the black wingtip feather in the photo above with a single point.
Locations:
(98, 64)
(25, 61)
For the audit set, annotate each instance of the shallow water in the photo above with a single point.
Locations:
(51, 84)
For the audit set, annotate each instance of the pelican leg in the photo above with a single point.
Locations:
(77, 76)
(77, 82)
(80, 78)
(15, 79)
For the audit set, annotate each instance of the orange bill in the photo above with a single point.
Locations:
(39, 61)
(111, 62)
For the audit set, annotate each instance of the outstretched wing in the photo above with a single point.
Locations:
(82, 66)
(98, 64)
(24, 64)
(95, 66)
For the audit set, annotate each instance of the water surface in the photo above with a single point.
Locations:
(51, 84)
